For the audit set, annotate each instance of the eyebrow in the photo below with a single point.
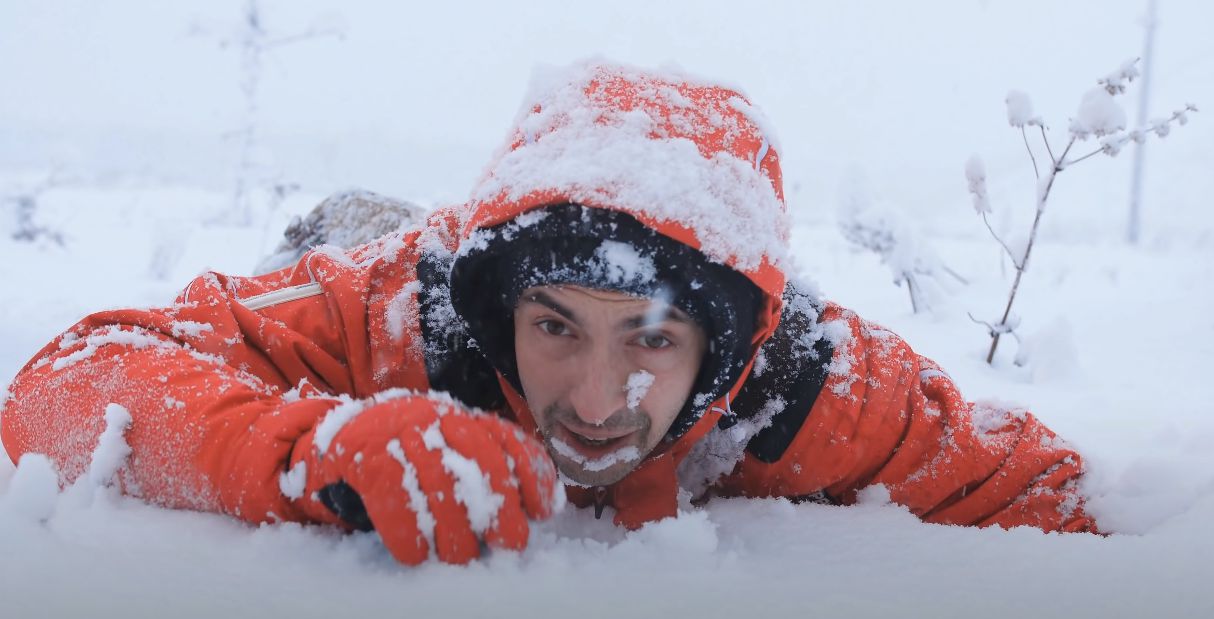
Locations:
(632, 322)
(543, 299)
(672, 314)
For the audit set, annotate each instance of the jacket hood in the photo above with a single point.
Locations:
(687, 159)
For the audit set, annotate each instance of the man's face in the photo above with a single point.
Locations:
(605, 375)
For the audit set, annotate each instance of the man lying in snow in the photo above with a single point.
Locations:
(615, 293)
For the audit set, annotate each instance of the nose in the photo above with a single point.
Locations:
(599, 392)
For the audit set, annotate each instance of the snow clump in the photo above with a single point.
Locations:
(112, 450)
(1099, 114)
(1020, 110)
(637, 386)
(975, 177)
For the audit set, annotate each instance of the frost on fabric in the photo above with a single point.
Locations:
(343, 413)
(417, 499)
(573, 145)
(720, 451)
(112, 450)
(293, 481)
(190, 328)
(402, 310)
(637, 386)
(625, 454)
(841, 364)
(471, 485)
(621, 264)
(134, 337)
(991, 419)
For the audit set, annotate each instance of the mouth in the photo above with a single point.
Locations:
(593, 443)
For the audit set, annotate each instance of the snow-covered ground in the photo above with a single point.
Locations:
(131, 112)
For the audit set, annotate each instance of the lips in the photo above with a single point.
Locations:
(593, 442)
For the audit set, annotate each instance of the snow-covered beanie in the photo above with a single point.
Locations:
(608, 250)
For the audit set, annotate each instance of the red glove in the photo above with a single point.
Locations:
(433, 477)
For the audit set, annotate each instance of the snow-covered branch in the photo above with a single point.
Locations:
(1099, 117)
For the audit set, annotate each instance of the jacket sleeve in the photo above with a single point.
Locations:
(882, 414)
(223, 384)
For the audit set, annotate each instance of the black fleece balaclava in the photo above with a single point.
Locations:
(609, 250)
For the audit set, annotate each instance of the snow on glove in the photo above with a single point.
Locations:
(435, 478)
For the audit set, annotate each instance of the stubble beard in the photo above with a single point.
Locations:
(583, 473)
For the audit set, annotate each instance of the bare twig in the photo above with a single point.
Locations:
(1089, 155)
(957, 276)
(1024, 134)
(1046, 140)
(1028, 250)
(910, 286)
(990, 328)
(1010, 254)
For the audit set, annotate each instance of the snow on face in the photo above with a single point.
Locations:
(589, 151)
(637, 386)
(594, 465)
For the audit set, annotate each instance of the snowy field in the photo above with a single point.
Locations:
(122, 126)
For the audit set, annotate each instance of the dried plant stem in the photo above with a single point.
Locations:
(1024, 134)
(1023, 264)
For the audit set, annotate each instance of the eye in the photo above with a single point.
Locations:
(654, 341)
(553, 327)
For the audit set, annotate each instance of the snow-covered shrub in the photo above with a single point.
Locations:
(19, 210)
(254, 40)
(878, 227)
(1099, 118)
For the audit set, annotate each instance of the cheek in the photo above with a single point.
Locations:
(671, 388)
(539, 371)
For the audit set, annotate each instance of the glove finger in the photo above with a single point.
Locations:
(484, 483)
(532, 467)
(390, 510)
(454, 539)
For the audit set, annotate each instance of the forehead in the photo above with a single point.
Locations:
(579, 293)
(580, 297)
(574, 298)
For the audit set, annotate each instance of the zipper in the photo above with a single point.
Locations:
(282, 295)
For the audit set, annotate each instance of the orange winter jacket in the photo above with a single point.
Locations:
(225, 382)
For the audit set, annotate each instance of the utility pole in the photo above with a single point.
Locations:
(1134, 228)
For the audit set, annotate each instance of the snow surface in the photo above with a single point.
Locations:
(1131, 326)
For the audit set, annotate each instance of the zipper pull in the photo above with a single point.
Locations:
(600, 501)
